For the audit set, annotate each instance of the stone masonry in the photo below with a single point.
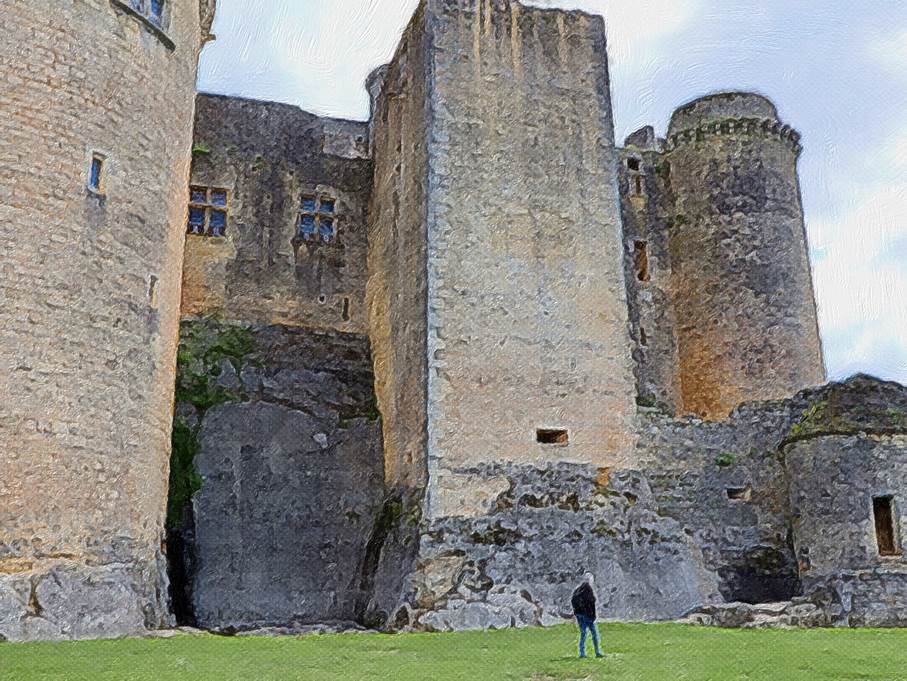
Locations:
(266, 157)
(89, 306)
(427, 369)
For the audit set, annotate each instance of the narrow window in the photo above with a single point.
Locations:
(208, 209)
(739, 493)
(641, 260)
(883, 512)
(157, 11)
(317, 219)
(346, 309)
(638, 185)
(643, 337)
(95, 174)
(552, 436)
(152, 290)
(153, 10)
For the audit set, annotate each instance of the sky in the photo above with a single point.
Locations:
(836, 69)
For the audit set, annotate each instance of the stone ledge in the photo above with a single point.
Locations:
(152, 27)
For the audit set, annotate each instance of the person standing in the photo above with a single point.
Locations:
(583, 602)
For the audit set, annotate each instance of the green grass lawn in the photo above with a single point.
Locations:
(638, 652)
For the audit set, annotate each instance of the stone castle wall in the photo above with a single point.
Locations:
(89, 284)
(646, 208)
(742, 288)
(397, 286)
(267, 157)
(726, 484)
(527, 314)
(849, 448)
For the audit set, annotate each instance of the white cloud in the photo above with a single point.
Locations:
(891, 51)
(860, 280)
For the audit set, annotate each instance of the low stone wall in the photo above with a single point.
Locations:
(864, 598)
(291, 478)
(516, 562)
(725, 482)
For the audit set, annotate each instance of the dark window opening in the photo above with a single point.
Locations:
(207, 211)
(548, 436)
(643, 337)
(157, 11)
(317, 218)
(153, 10)
(886, 536)
(95, 174)
(346, 309)
(638, 185)
(739, 493)
(152, 290)
(633, 164)
(641, 260)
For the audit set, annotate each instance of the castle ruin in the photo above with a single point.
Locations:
(421, 371)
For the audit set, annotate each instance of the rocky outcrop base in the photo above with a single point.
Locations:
(69, 601)
(517, 563)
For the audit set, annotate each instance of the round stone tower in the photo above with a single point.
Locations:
(96, 114)
(747, 327)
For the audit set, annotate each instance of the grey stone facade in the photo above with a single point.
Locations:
(504, 353)
(772, 504)
(471, 291)
(268, 158)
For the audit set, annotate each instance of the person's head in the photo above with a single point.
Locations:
(589, 579)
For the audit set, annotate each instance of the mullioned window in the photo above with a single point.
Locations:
(317, 218)
(207, 211)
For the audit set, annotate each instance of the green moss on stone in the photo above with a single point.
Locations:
(184, 479)
(725, 459)
(205, 344)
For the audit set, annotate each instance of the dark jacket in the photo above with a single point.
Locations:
(583, 601)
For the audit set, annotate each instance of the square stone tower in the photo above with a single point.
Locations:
(497, 298)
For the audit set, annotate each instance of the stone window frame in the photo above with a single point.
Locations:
(143, 12)
(311, 205)
(896, 552)
(96, 184)
(204, 228)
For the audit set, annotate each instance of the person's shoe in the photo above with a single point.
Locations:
(582, 657)
(599, 654)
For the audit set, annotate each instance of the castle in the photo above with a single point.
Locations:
(265, 368)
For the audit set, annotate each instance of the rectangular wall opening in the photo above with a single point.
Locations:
(739, 493)
(641, 260)
(552, 436)
(883, 512)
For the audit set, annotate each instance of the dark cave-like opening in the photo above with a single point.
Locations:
(181, 562)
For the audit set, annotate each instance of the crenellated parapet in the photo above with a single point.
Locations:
(752, 127)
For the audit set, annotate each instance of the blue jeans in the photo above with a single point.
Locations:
(587, 624)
